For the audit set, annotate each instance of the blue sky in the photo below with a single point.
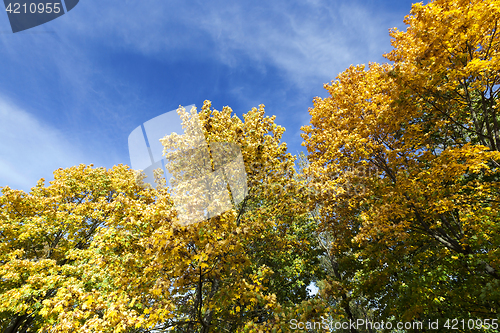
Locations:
(73, 89)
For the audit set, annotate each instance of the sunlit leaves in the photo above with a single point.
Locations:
(424, 223)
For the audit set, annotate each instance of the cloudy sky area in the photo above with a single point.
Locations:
(73, 89)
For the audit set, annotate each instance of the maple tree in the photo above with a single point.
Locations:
(405, 159)
(46, 251)
(99, 251)
(269, 238)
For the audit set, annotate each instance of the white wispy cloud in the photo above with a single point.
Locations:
(30, 149)
(308, 40)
